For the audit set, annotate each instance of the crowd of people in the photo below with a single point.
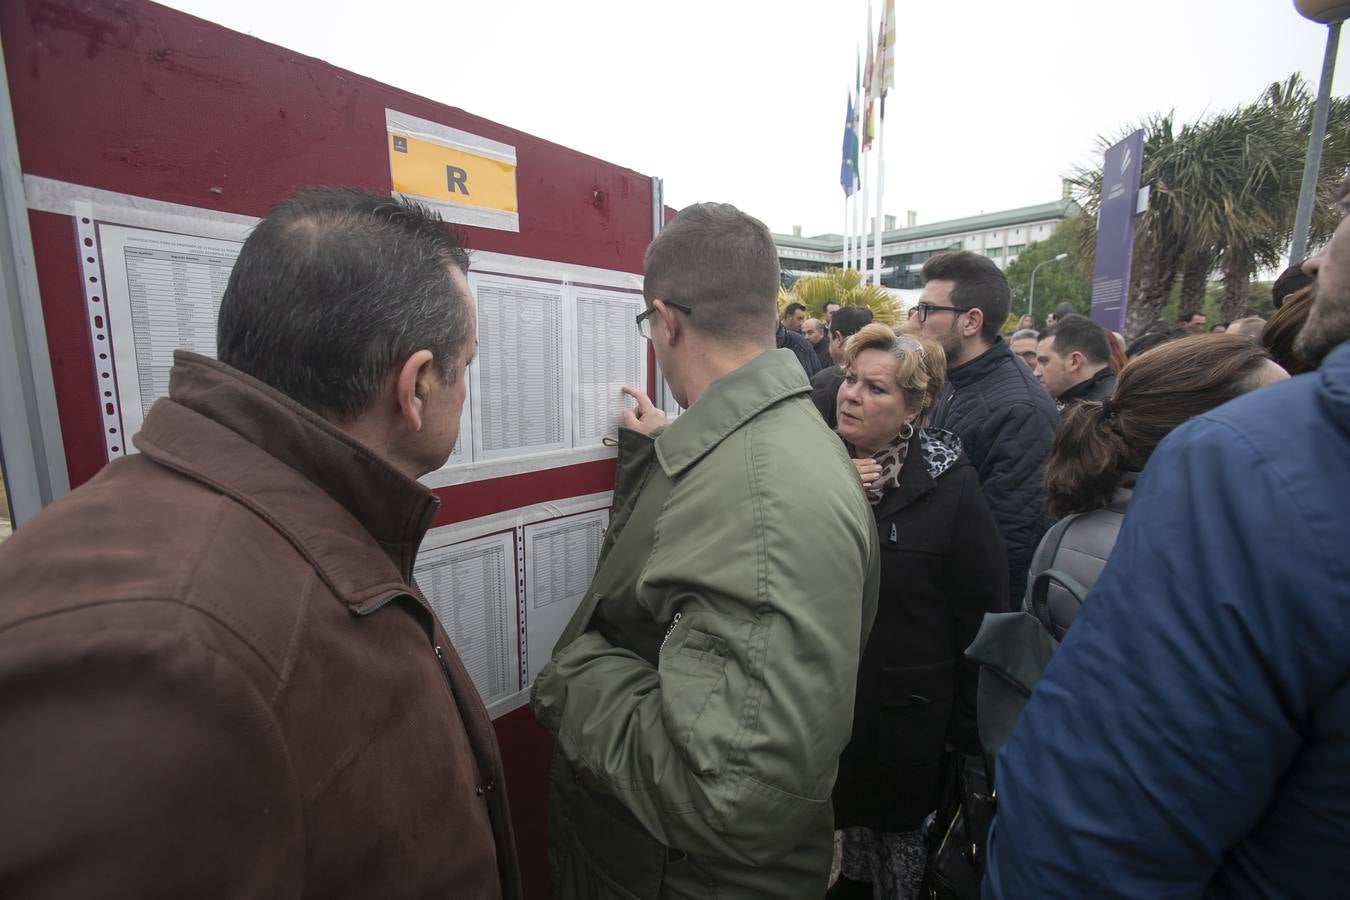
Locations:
(232, 687)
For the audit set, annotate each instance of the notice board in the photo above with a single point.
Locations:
(151, 141)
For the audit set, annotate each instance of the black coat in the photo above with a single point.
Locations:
(942, 569)
(825, 394)
(1006, 422)
(822, 348)
(1099, 387)
(799, 346)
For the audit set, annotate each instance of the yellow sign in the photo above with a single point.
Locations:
(469, 179)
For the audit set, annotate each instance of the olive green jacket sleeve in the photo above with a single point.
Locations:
(728, 745)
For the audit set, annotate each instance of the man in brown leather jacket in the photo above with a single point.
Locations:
(217, 678)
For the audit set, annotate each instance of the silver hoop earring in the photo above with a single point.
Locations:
(906, 431)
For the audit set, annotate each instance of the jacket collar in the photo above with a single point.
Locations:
(982, 365)
(1083, 388)
(727, 404)
(932, 453)
(357, 519)
(1335, 387)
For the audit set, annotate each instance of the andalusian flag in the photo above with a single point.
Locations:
(884, 79)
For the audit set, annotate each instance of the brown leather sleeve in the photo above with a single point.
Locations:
(134, 764)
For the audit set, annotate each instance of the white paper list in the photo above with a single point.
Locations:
(462, 452)
(560, 559)
(518, 379)
(163, 294)
(610, 354)
(472, 589)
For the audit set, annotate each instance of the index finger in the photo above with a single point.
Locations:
(643, 401)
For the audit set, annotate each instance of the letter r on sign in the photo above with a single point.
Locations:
(457, 180)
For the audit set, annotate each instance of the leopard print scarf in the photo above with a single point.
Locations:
(892, 459)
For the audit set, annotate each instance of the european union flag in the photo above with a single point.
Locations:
(848, 170)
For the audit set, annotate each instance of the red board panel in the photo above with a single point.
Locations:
(127, 96)
(466, 501)
(526, 751)
(144, 100)
(56, 253)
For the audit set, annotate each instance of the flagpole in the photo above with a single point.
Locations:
(882, 81)
(881, 188)
(860, 250)
(849, 204)
(853, 226)
(862, 216)
(860, 195)
(848, 226)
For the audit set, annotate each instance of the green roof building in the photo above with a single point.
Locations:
(1001, 236)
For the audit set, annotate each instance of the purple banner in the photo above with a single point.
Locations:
(1115, 231)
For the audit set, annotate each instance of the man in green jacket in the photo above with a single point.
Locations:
(703, 691)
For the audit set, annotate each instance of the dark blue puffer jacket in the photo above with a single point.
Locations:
(1191, 737)
(1006, 421)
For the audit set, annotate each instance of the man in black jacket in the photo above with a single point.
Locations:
(1005, 419)
(825, 384)
(1073, 361)
(817, 334)
(793, 341)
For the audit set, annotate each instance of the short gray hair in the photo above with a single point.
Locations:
(721, 263)
(1025, 333)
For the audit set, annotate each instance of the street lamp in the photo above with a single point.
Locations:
(1032, 298)
(1330, 13)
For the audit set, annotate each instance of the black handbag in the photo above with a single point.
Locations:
(960, 828)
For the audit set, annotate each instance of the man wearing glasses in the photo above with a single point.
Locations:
(703, 691)
(992, 401)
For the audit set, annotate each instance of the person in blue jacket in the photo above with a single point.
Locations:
(1192, 735)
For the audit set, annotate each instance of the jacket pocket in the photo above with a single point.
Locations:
(693, 669)
(603, 854)
(916, 708)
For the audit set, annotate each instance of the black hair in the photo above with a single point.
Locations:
(1290, 280)
(332, 292)
(979, 285)
(848, 320)
(792, 308)
(1075, 332)
(1159, 332)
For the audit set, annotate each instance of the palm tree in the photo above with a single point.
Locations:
(1223, 196)
(1243, 197)
(1196, 267)
(842, 286)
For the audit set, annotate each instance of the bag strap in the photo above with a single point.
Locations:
(1046, 551)
(1040, 594)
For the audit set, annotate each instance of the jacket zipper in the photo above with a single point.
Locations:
(440, 658)
(673, 622)
(440, 655)
(490, 785)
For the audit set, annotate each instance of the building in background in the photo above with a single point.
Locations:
(1001, 236)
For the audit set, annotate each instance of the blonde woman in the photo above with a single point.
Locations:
(943, 567)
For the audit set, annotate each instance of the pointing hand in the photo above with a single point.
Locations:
(645, 418)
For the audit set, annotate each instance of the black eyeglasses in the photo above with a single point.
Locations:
(922, 310)
(644, 318)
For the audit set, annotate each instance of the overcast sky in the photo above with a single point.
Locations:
(743, 100)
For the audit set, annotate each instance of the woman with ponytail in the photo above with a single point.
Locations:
(1101, 447)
